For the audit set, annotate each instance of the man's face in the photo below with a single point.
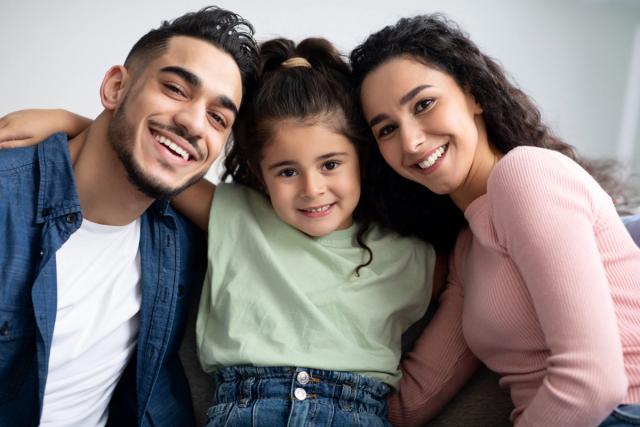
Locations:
(176, 115)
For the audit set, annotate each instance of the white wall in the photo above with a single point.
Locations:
(572, 56)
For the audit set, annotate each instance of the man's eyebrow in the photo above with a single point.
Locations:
(196, 82)
(187, 75)
(227, 103)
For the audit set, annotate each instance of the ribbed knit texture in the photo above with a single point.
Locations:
(551, 284)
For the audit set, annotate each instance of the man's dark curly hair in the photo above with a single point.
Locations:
(224, 29)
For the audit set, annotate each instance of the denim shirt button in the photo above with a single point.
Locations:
(71, 218)
(4, 329)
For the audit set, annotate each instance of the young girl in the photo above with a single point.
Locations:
(305, 302)
(545, 281)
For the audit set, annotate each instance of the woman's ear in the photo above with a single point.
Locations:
(113, 87)
(474, 105)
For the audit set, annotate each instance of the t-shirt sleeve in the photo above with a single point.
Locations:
(545, 210)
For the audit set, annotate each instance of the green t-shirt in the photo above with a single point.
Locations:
(274, 296)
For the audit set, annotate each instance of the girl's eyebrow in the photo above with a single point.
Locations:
(293, 163)
(403, 100)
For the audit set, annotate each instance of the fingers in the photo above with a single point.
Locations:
(14, 144)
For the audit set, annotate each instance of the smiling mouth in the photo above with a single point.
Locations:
(317, 210)
(172, 146)
(434, 157)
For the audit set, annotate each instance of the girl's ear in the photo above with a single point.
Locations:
(114, 87)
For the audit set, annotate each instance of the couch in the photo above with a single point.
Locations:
(481, 403)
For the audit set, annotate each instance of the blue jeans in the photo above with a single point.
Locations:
(623, 416)
(270, 397)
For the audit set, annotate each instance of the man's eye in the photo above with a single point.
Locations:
(174, 89)
(287, 173)
(331, 164)
(424, 104)
(218, 119)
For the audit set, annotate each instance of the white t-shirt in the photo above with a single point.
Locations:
(96, 329)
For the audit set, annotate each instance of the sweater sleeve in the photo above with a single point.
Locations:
(439, 364)
(545, 212)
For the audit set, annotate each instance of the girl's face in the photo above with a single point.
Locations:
(428, 129)
(312, 176)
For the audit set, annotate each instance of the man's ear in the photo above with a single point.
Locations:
(114, 87)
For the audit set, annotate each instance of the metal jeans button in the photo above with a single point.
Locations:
(300, 393)
(303, 377)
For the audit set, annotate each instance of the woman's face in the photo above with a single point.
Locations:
(428, 129)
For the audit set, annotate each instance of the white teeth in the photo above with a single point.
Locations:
(320, 209)
(433, 157)
(172, 146)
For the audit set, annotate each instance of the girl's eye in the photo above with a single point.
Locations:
(331, 165)
(287, 173)
(386, 130)
(424, 104)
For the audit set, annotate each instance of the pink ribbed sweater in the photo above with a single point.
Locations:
(545, 290)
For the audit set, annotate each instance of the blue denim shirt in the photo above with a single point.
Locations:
(39, 210)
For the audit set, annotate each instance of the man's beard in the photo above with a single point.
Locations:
(121, 137)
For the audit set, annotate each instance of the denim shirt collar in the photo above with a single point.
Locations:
(55, 196)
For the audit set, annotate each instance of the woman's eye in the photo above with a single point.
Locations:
(386, 130)
(331, 165)
(424, 104)
(287, 173)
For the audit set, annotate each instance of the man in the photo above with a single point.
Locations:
(95, 266)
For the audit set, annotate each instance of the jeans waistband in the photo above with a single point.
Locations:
(351, 391)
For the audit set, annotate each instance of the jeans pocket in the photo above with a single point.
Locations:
(219, 415)
(629, 414)
(17, 350)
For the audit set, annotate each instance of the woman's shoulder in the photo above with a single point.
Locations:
(525, 169)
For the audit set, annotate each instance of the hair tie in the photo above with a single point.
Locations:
(296, 61)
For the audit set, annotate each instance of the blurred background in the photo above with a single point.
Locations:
(578, 59)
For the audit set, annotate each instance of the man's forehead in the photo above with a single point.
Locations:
(216, 68)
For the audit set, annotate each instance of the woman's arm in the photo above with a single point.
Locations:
(195, 203)
(439, 364)
(29, 127)
(547, 212)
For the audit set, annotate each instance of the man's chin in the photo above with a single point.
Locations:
(155, 189)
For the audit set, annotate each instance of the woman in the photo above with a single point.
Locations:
(545, 280)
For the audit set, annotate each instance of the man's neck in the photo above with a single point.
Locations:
(106, 194)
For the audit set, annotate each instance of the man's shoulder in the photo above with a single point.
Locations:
(13, 161)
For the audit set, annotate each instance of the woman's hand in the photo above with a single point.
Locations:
(29, 127)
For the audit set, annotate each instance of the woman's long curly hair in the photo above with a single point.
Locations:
(511, 118)
(323, 93)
